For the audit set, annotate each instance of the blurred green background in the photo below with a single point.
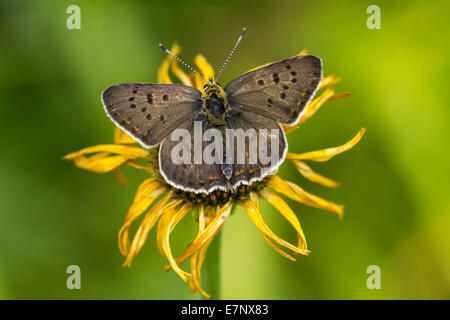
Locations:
(395, 183)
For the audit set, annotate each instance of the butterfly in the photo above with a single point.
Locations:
(259, 100)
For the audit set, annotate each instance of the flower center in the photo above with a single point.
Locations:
(221, 197)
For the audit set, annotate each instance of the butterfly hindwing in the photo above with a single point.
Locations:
(188, 175)
(268, 131)
(150, 112)
(279, 91)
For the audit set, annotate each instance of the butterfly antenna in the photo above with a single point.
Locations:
(188, 66)
(231, 53)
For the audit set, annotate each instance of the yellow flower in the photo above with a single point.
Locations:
(212, 209)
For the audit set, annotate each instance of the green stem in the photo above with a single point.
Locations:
(211, 268)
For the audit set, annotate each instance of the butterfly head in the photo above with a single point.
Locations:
(212, 87)
(214, 97)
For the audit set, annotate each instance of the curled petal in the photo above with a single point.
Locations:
(274, 247)
(168, 209)
(254, 198)
(198, 82)
(317, 201)
(100, 165)
(126, 151)
(315, 105)
(252, 210)
(147, 224)
(101, 161)
(133, 164)
(195, 279)
(330, 81)
(198, 257)
(147, 192)
(121, 137)
(163, 72)
(165, 226)
(309, 174)
(296, 193)
(286, 211)
(180, 74)
(340, 95)
(196, 264)
(327, 154)
(311, 109)
(212, 228)
(204, 67)
(260, 66)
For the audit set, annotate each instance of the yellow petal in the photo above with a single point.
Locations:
(316, 104)
(100, 165)
(258, 67)
(318, 202)
(209, 232)
(163, 72)
(133, 164)
(199, 256)
(144, 190)
(168, 210)
(127, 151)
(205, 218)
(330, 81)
(205, 68)
(169, 223)
(274, 247)
(194, 281)
(309, 174)
(201, 218)
(147, 192)
(304, 52)
(327, 154)
(296, 193)
(287, 212)
(255, 215)
(180, 74)
(196, 264)
(340, 95)
(147, 224)
(267, 238)
(198, 82)
(311, 109)
(121, 137)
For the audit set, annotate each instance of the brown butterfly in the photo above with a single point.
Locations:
(259, 101)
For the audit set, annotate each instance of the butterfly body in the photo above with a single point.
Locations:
(260, 101)
(215, 104)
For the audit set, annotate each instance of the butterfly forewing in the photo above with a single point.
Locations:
(279, 91)
(150, 112)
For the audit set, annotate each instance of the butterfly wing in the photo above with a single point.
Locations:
(188, 176)
(270, 132)
(280, 91)
(150, 112)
